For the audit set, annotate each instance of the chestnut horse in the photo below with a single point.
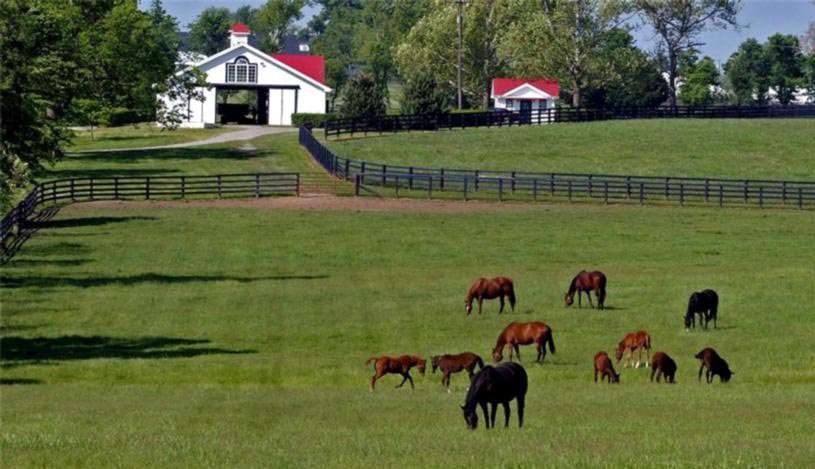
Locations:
(635, 341)
(489, 289)
(450, 364)
(397, 365)
(603, 367)
(586, 282)
(663, 365)
(524, 333)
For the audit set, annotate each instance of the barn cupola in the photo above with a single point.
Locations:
(238, 34)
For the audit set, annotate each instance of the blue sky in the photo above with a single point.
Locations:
(761, 18)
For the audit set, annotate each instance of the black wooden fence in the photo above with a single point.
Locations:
(472, 183)
(498, 118)
(147, 187)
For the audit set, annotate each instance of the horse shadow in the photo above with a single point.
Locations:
(19, 351)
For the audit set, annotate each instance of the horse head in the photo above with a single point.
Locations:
(420, 364)
(434, 362)
(471, 417)
(468, 306)
(615, 377)
(497, 354)
(569, 299)
(618, 354)
(688, 320)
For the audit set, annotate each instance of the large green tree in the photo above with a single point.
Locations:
(679, 24)
(784, 55)
(747, 74)
(274, 20)
(699, 79)
(209, 33)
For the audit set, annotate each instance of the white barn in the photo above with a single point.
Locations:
(282, 83)
(516, 94)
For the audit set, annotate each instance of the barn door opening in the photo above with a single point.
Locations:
(242, 105)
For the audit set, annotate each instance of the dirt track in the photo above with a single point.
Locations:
(322, 202)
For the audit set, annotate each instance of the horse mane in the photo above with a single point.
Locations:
(477, 384)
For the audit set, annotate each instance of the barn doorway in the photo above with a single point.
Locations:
(246, 105)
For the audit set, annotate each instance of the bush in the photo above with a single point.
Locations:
(119, 116)
(361, 97)
(315, 120)
(422, 95)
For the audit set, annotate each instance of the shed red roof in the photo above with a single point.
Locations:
(239, 28)
(313, 66)
(501, 86)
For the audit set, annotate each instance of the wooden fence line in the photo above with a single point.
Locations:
(503, 184)
(145, 187)
(500, 118)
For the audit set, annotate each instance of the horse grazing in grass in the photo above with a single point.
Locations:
(397, 365)
(586, 282)
(715, 366)
(634, 341)
(663, 365)
(524, 333)
(489, 289)
(450, 364)
(501, 384)
(603, 366)
(704, 303)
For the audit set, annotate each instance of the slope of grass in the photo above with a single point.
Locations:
(762, 148)
(140, 135)
(236, 337)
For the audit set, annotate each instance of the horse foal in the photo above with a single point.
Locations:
(715, 366)
(397, 365)
(635, 341)
(603, 366)
(663, 365)
(450, 364)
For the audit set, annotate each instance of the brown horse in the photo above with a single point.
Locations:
(450, 364)
(586, 282)
(603, 366)
(489, 289)
(663, 365)
(715, 365)
(397, 365)
(524, 333)
(635, 341)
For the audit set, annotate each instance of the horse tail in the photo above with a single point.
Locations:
(368, 362)
(647, 341)
(551, 341)
(602, 286)
(480, 362)
(511, 295)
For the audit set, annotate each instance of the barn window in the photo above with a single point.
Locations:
(509, 104)
(241, 71)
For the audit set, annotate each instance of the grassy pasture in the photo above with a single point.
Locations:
(236, 337)
(757, 149)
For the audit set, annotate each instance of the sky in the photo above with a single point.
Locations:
(760, 19)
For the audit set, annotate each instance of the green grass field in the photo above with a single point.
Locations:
(140, 135)
(761, 148)
(236, 337)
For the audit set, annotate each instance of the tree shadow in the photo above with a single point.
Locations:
(47, 282)
(110, 172)
(5, 329)
(13, 381)
(19, 351)
(87, 221)
(55, 262)
(130, 156)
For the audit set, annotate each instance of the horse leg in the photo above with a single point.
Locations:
(579, 304)
(404, 378)
(653, 370)
(375, 377)
(660, 375)
(588, 295)
(518, 351)
(541, 352)
(521, 410)
(410, 378)
(480, 300)
(486, 415)
(595, 375)
(506, 414)
(700, 371)
(501, 299)
(494, 409)
(639, 356)
(445, 380)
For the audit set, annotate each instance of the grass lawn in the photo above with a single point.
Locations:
(140, 135)
(761, 148)
(236, 337)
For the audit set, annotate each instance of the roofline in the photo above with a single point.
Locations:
(282, 65)
(519, 87)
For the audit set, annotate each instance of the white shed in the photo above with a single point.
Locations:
(518, 94)
(278, 85)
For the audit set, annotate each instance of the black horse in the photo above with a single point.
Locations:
(704, 303)
(496, 385)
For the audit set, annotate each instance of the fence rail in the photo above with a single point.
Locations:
(499, 118)
(471, 183)
(147, 187)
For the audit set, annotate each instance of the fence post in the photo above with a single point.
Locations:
(356, 185)
(800, 198)
(681, 194)
(384, 174)
(441, 182)
(430, 187)
(628, 187)
(297, 187)
(397, 186)
(605, 194)
(570, 190)
(90, 181)
(347, 168)
(784, 193)
(73, 193)
(552, 183)
(257, 185)
(707, 189)
(590, 191)
(183, 187)
(535, 189)
(500, 189)
(54, 191)
(410, 180)
(512, 183)
(721, 195)
(745, 191)
(147, 188)
(115, 188)
(476, 180)
(219, 186)
(667, 188)
(642, 193)
(761, 196)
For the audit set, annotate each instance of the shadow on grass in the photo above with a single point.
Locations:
(18, 351)
(56, 262)
(133, 156)
(11, 381)
(87, 221)
(7, 329)
(81, 173)
(43, 282)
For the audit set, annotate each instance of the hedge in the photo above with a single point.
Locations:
(315, 120)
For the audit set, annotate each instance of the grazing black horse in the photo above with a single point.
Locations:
(496, 385)
(704, 303)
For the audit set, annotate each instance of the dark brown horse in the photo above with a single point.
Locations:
(397, 365)
(524, 333)
(586, 282)
(663, 365)
(489, 289)
(603, 367)
(715, 365)
(635, 341)
(498, 385)
(450, 364)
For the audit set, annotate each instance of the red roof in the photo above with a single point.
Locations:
(501, 86)
(313, 66)
(239, 28)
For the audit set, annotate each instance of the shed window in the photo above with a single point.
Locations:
(241, 71)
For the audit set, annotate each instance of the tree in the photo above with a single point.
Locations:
(274, 20)
(698, 81)
(336, 27)
(209, 33)
(808, 80)
(678, 23)
(748, 73)
(180, 89)
(361, 97)
(808, 39)
(422, 95)
(784, 55)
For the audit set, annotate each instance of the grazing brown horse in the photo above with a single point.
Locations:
(635, 341)
(586, 282)
(489, 289)
(524, 333)
(662, 364)
(450, 364)
(397, 365)
(715, 365)
(603, 366)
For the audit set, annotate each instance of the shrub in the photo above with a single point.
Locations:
(422, 95)
(119, 116)
(361, 97)
(315, 120)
